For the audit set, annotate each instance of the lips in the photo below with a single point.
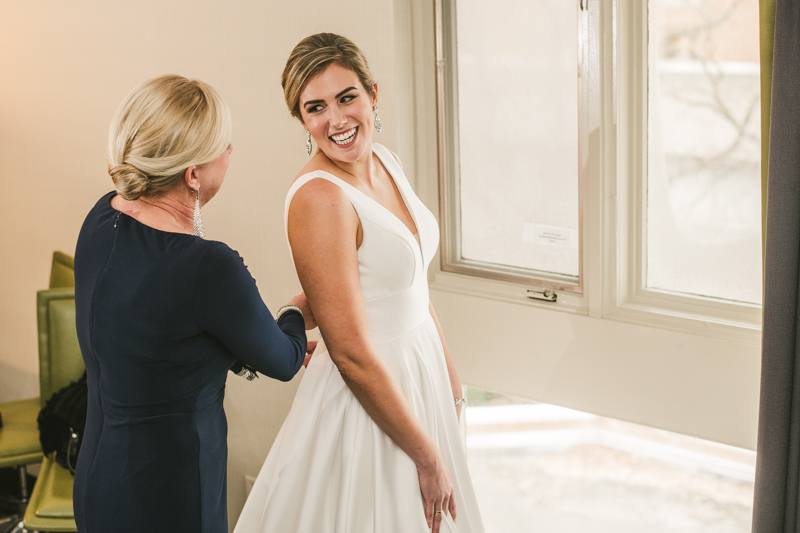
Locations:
(345, 138)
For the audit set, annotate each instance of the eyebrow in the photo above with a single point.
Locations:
(323, 101)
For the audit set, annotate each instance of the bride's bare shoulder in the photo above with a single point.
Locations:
(321, 204)
(317, 163)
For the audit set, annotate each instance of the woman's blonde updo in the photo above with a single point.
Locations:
(311, 56)
(164, 126)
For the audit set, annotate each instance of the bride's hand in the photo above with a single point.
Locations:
(437, 493)
(300, 301)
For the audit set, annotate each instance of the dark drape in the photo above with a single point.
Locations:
(777, 498)
(766, 16)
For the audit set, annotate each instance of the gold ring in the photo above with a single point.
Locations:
(437, 513)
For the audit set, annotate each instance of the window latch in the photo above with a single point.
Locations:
(546, 295)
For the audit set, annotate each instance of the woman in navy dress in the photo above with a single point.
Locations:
(162, 315)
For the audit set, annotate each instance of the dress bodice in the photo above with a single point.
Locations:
(392, 264)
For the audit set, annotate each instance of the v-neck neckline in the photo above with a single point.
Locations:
(406, 203)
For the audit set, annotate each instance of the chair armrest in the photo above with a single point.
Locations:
(50, 506)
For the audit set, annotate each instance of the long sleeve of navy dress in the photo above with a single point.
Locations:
(161, 317)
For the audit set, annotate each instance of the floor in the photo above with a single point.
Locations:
(9, 492)
(546, 469)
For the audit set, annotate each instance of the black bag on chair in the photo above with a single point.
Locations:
(62, 421)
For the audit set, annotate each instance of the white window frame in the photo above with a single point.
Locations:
(447, 96)
(612, 188)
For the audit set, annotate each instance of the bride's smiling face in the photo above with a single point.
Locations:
(337, 110)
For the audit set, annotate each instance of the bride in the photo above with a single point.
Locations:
(371, 443)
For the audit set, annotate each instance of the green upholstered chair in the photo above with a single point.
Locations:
(60, 363)
(19, 436)
(62, 271)
(50, 508)
(60, 360)
(19, 442)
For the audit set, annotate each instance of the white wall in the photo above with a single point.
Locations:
(696, 385)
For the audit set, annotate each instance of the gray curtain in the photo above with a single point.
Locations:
(777, 498)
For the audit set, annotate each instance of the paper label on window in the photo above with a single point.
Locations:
(550, 235)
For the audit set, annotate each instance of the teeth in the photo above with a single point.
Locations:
(344, 138)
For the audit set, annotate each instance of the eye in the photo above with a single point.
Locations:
(314, 108)
(348, 98)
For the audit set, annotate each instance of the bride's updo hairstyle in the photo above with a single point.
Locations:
(311, 56)
(164, 126)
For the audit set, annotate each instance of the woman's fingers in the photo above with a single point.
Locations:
(453, 506)
(301, 302)
(311, 346)
(308, 319)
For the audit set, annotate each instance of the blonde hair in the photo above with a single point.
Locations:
(311, 56)
(164, 126)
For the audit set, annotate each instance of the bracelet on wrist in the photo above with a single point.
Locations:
(460, 401)
(244, 370)
(285, 309)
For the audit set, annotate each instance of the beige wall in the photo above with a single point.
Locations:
(65, 66)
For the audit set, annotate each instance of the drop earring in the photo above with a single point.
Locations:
(378, 121)
(198, 217)
(309, 146)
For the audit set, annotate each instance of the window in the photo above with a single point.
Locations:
(703, 174)
(513, 85)
(609, 151)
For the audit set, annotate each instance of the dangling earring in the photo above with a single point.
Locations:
(378, 121)
(309, 146)
(198, 217)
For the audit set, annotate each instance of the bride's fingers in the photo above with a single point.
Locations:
(453, 506)
(438, 514)
(429, 512)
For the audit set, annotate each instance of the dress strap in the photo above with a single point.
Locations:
(387, 158)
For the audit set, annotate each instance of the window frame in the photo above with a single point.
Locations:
(448, 135)
(612, 191)
(630, 298)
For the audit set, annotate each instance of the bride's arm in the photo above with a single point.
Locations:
(324, 234)
(455, 383)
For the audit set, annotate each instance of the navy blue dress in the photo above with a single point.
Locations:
(161, 317)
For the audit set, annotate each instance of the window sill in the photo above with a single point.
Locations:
(743, 327)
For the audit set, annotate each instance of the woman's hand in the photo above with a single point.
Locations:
(312, 345)
(300, 301)
(437, 493)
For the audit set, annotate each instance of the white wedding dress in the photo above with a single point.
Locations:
(331, 468)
